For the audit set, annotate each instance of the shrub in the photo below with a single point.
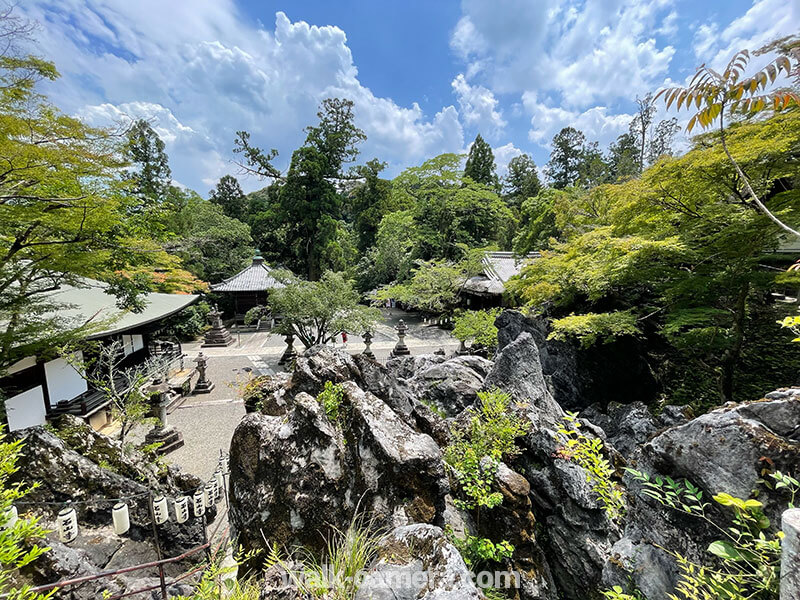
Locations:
(477, 550)
(588, 453)
(330, 398)
(477, 326)
(14, 537)
(473, 455)
(747, 557)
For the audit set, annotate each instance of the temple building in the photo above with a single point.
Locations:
(486, 289)
(248, 288)
(36, 388)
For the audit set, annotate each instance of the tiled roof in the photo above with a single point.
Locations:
(88, 302)
(498, 268)
(255, 278)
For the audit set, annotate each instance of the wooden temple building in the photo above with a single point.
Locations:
(248, 288)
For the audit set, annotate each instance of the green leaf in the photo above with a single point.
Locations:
(724, 550)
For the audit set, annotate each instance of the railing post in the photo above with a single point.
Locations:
(790, 555)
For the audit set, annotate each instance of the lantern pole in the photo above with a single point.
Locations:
(158, 546)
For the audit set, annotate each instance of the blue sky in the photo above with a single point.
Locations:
(425, 75)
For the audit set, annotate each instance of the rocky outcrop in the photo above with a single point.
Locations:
(295, 477)
(574, 533)
(416, 562)
(726, 450)
(578, 377)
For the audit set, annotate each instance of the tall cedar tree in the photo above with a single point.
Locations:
(152, 174)
(228, 195)
(480, 163)
(521, 182)
(564, 167)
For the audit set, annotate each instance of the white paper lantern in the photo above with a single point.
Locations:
(209, 494)
(160, 511)
(12, 516)
(198, 503)
(220, 481)
(121, 518)
(182, 509)
(224, 464)
(67, 522)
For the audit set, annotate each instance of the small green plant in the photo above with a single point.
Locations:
(219, 581)
(348, 554)
(747, 557)
(617, 593)
(330, 398)
(588, 453)
(477, 550)
(473, 455)
(434, 408)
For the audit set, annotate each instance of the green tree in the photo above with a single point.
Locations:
(370, 202)
(450, 210)
(593, 169)
(623, 158)
(63, 213)
(435, 286)
(521, 182)
(390, 259)
(308, 210)
(228, 195)
(151, 175)
(317, 311)
(480, 163)
(715, 93)
(211, 245)
(563, 168)
(538, 221)
(677, 255)
(19, 539)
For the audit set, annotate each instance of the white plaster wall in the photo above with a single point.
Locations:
(63, 381)
(26, 409)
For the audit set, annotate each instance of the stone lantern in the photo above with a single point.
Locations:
(169, 437)
(400, 348)
(290, 353)
(218, 335)
(204, 385)
(367, 343)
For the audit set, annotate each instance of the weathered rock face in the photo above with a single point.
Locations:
(78, 464)
(418, 563)
(451, 385)
(574, 533)
(293, 477)
(725, 450)
(722, 451)
(577, 377)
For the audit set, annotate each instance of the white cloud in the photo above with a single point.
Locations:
(597, 123)
(583, 52)
(503, 155)
(763, 22)
(478, 107)
(202, 73)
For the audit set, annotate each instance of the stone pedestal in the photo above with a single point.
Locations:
(169, 437)
(790, 558)
(218, 335)
(400, 348)
(204, 385)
